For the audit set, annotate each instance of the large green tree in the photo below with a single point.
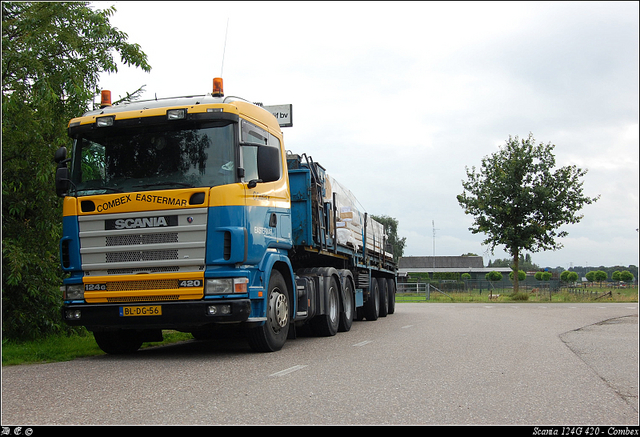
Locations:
(519, 200)
(52, 56)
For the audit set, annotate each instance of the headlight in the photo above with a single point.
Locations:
(226, 285)
(218, 286)
(74, 292)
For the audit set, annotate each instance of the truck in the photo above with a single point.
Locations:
(188, 214)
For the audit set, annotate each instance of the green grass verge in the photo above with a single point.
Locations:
(65, 348)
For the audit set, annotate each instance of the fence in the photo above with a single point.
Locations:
(420, 291)
(423, 290)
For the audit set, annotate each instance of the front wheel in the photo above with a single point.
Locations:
(118, 342)
(272, 335)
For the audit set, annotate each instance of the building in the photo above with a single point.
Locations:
(473, 265)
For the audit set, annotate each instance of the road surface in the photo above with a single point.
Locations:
(445, 364)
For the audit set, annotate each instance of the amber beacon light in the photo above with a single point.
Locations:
(105, 98)
(217, 87)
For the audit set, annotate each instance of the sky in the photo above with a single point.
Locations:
(397, 99)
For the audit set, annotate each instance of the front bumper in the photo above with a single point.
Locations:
(174, 315)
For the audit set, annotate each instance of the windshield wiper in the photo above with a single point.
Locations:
(159, 184)
(115, 190)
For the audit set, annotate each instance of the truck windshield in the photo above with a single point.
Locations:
(152, 158)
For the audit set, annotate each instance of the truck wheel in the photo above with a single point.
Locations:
(372, 305)
(349, 306)
(384, 297)
(391, 289)
(117, 342)
(326, 325)
(271, 336)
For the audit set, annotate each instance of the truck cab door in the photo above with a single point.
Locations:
(268, 203)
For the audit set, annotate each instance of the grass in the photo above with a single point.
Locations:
(66, 348)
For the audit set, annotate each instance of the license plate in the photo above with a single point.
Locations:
(150, 310)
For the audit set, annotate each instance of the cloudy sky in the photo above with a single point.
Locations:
(396, 99)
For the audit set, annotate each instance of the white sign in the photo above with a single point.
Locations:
(282, 113)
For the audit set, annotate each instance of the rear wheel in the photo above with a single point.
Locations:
(348, 306)
(372, 305)
(384, 297)
(272, 335)
(391, 289)
(326, 325)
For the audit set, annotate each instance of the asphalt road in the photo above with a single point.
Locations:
(446, 364)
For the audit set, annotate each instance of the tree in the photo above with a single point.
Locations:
(519, 200)
(522, 275)
(616, 275)
(543, 276)
(52, 55)
(391, 230)
(568, 276)
(626, 276)
(493, 276)
(596, 276)
(601, 276)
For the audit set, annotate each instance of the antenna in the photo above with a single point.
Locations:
(433, 225)
(224, 49)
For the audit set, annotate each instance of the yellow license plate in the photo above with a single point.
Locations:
(149, 310)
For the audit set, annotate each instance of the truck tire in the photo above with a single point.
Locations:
(272, 335)
(118, 342)
(360, 314)
(384, 297)
(391, 289)
(348, 307)
(372, 305)
(326, 325)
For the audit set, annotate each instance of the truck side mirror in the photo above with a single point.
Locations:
(62, 172)
(268, 163)
(61, 155)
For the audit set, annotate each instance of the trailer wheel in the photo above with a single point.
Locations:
(372, 305)
(347, 316)
(272, 335)
(391, 289)
(326, 325)
(117, 342)
(384, 297)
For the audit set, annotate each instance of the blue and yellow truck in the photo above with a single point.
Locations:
(188, 214)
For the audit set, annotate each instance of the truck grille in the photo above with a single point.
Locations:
(177, 247)
(150, 255)
(131, 240)
(143, 298)
(161, 284)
